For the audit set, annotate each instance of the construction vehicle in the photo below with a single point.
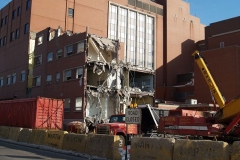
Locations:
(148, 126)
(224, 123)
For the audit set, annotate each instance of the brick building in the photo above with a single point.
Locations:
(156, 42)
(221, 51)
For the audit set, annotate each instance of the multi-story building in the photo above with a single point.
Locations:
(221, 51)
(156, 42)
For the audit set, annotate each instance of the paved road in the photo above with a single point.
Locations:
(11, 151)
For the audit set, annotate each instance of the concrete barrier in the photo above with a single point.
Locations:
(105, 146)
(14, 133)
(54, 138)
(38, 136)
(235, 148)
(199, 150)
(4, 132)
(74, 142)
(24, 135)
(143, 148)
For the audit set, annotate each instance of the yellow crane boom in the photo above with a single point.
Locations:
(209, 79)
(228, 112)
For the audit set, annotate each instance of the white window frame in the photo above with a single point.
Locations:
(66, 76)
(69, 50)
(49, 78)
(80, 47)
(50, 57)
(59, 54)
(14, 77)
(70, 12)
(79, 72)
(8, 79)
(67, 102)
(1, 81)
(221, 44)
(78, 104)
(58, 76)
(23, 76)
(39, 40)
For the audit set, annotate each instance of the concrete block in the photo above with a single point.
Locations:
(38, 136)
(143, 148)
(24, 135)
(14, 133)
(54, 138)
(200, 149)
(74, 142)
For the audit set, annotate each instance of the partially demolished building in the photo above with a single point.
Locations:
(89, 74)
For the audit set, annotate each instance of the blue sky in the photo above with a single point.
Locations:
(209, 11)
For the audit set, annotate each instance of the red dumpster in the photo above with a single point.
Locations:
(35, 113)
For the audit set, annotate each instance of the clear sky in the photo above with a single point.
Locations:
(209, 11)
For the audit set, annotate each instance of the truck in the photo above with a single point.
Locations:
(223, 124)
(148, 127)
(34, 113)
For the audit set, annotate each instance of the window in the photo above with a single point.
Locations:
(4, 40)
(49, 78)
(19, 11)
(80, 47)
(67, 105)
(69, 50)
(37, 81)
(221, 44)
(26, 28)
(37, 60)
(28, 5)
(68, 75)
(1, 81)
(17, 34)
(1, 42)
(70, 12)
(39, 40)
(59, 54)
(57, 77)
(79, 73)
(6, 19)
(12, 36)
(14, 14)
(14, 78)
(23, 76)
(50, 57)
(78, 105)
(8, 79)
(2, 22)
